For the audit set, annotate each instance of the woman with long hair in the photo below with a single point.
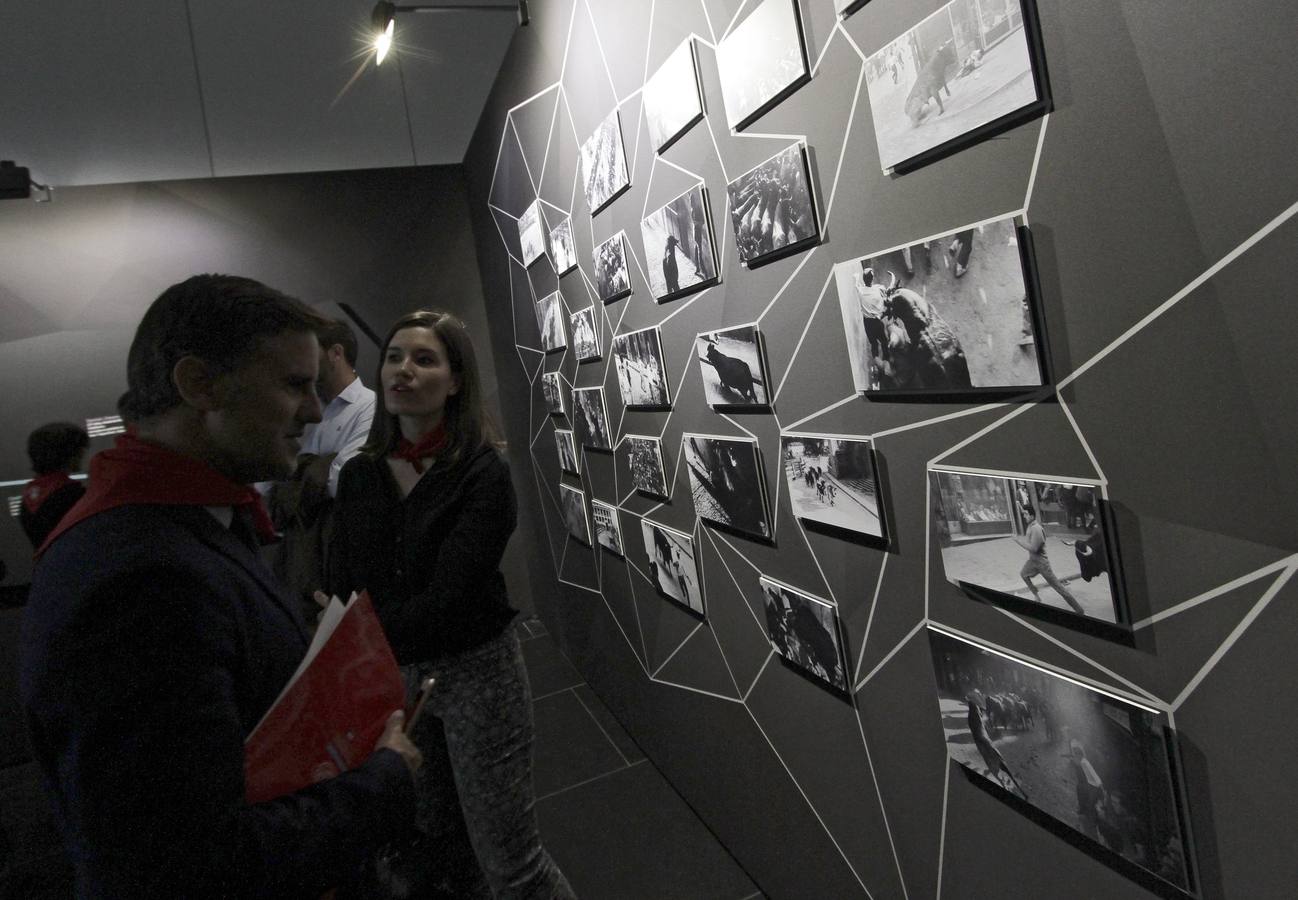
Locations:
(423, 515)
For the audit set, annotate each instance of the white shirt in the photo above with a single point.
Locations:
(343, 427)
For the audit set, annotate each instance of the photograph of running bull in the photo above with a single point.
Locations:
(733, 367)
(1099, 764)
(804, 630)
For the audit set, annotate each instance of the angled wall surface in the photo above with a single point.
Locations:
(1160, 193)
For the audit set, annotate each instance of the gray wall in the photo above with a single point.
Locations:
(1169, 149)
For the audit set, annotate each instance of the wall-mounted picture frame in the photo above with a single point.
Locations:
(566, 446)
(531, 233)
(608, 530)
(845, 8)
(673, 568)
(956, 313)
(1036, 544)
(772, 210)
(645, 457)
(585, 335)
(673, 101)
(1095, 763)
(726, 483)
(573, 502)
(732, 362)
(612, 278)
(552, 392)
(563, 252)
(961, 74)
(603, 164)
(550, 315)
(833, 481)
(592, 418)
(761, 61)
(641, 372)
(805, 631)
(678, 244)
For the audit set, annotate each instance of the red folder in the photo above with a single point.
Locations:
(330, 714)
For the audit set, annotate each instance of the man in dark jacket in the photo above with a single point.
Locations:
(56, 451)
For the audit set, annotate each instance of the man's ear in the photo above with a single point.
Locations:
(198, 384)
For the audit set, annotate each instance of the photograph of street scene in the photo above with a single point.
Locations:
(804, 630)
(761, 61)
(646, 460)
(832, 481)
(563, 252)
(569, 460)
(611, 277)
(552, 392)
(574, 513)
(678, 246)
(592, 417)
(531, 233)
(549, 314)
(733, 369)
(585, 335)
(607, 530)
(641, 376)
(671, 97)
(672, 568)
(771, 210)
(1037, 541)
(603, 163)
(726, 482)
(1096, 763)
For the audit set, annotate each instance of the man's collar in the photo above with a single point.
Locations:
(353, 391)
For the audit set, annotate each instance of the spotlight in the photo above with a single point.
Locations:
(384, 19)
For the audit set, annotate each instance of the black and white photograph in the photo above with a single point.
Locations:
(726, 483)
(804, 630)
(672, 565)
(563, 252)
(733, 367)
(833, 481)
(1097, 763)
(585, 335)
(771, 208)
(592, 418)
(1038, 542)
(552, 391)
(612, 279)
(762, 61)
(672, 101)
(608, 531)
(603, 164)
(966, 66)
(949, 314)
(645, 456)
(845, 8)
(574, 513)
(549, 313)
(569, 459)
(531, 233)
(641, 374)
(678, 246)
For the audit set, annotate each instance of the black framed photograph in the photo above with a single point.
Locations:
(1099, 764)
(603, 163)
(1029, 542)
(673, 102)
(531, 233)
(968, 71)
(733, 366)
(585, 335)
(641, 373)
(552, 391)
(673, 568)
(679, 251)
(645, 456)
(833, 481)
(761, 61)
(726, 483)
(804, 630)
(574, 512)
(563, 252)
(608, 531)
(592, 418)
(612, 278)
(549, 314)
(772, 211)
(955, 313)
(845, 8)
(569, 458)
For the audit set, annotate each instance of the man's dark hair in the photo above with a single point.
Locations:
(339, 332)
(56, 446)
(218, 318)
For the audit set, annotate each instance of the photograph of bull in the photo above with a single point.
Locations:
(608, 533)
(549, 315)
(832, 481)
(953, 313)
(612, 280)
(672, 100)
(678, 246)
(552, 392)
(641, 374)
(726, 483)
(761, 61)
(771, 208)
(1039, 543)
(563, 252)
(733, 367)
(804, 630)
(645, 457)
(603, 164)
(585, 335)
(573, 502)
(673, 569)
(1097, 763)
(531, 233)
(569, 460)
(592, 418)
(969, 70)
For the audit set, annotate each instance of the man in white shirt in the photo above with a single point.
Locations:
(348, 404)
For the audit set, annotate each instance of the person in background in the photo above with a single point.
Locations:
(423, 516)
(154, 639)
(56, 451)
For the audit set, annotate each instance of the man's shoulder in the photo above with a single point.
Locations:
(131, 537)
(357, 394)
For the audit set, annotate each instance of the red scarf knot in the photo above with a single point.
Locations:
(429, 445)
(40, 488)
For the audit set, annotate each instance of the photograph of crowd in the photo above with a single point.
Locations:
(678, 245)
(761, 61)
(603, 164)
(641, 374)
(608, 533)
(733, 367)
(771, 209)
(1041, 542)
(648, 474)
(552, 391)
(949, 313)
(726, 482)
(963, 67)
(574, 512)
(585, 335)
(531, 233)
(672, 102)
(612, 280)
(569, 459)
(832, 481)
(804, 630)
(549, 313)
(672, 567)
(563, 252)
(592, 417)
(1098, 764)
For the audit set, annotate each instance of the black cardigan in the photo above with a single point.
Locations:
(431, 561)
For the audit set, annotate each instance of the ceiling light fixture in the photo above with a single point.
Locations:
(384, 18)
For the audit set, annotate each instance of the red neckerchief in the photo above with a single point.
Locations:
(137, 472)
(414, 452)
(40, 488)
